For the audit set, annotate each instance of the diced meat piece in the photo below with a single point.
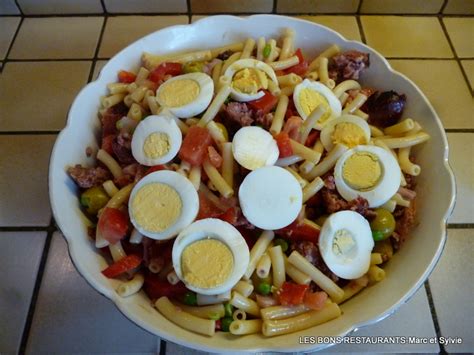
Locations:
(264, 120)
(348, 65)
(214, 157)
(88, 177)
(406, 222)
(311, 253)
(238, 113)
(135, 170)
(329, 182)
(122, 148)
(407, 193)
(411, 181)
(385, 109)
(110, 118)
(225, 55)
(333, 201)
(361, 206)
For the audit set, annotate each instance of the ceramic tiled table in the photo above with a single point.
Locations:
(46, 307)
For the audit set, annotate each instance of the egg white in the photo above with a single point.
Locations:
(199, 104)
(219, 230)
(333, 101)
(354, 262)
(254, 147)
(189, 201)
(329, 127)
(251, 64)
(270, 197)
(387, 186)
(156, 124)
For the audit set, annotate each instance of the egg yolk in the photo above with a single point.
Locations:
(348, 134)
(206, 263)
(362, 171)
(156, 145)
(343, 243)
(249, 81)
(178, 93)
(310, 99)
(156, 207)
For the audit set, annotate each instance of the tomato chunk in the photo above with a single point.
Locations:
(156, 168)
(126, 77)
(195, 144)
(312, 138)
(214, 157)
(107, 143)
(159, 73)
(284, 144)
(230, 215)
(266, 103)
(315, 300)
(125, 264)
(113, 224)
(207, 209)
(298, 231)
(292, 294)
(301, 67)
(292, 127)
(156, 288)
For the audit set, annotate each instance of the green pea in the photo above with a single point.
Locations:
(377, 235)
(264, 288)
(225, 323)
(281, 242)
(383, 222)
(190, 299)
(228, 309)
(94, 199)
(267, 50)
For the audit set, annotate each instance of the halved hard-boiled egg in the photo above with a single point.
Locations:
(349, 130)
(270, 197)
(210, 256)
(367, 171)
(254, 147)
(345, 243)
(162, 204)
(186, 95)
(249, 77)
(156, 140)
(308, 95)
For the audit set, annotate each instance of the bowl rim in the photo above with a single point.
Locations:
(168, 336)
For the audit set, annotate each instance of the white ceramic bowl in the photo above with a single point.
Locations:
(406, 272)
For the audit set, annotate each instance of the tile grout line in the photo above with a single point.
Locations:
(459, 130)
(96, 53)
(434, 316)
(443, 6)
(34, 297)
(359, 6)
(190, 13)
(361, 29)
(162, 347)
(275, 7)
(15, 35)
(460, 225)
(453, 49)
(19, 8)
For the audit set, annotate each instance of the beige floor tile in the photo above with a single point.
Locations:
(142, 6)
(317, 6)
(230, 6)
(24, 180)
(98, 67)
(401, 6)
(57, 37)
(461, 32)
(461, 158)
(345, 25)
(452, 289)
(396, 36)
(34, 7)
(8, 7)
(121, 31)
(459, 7)
(445, 88)
(8, 26)
(37, 96)
(468, 66)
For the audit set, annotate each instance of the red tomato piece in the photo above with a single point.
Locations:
(156, 168)
(214, 157)
(315, 300)
(207, 209)
(266, 103)
(297, 231)
(113, 224)
(155, 287)
(284, 144)
(292, 127)
(195, 144)
(249, 236)
(107, 143)
(312, 138)
(291, 109)
(292, 294)
(301, 67)
(125, 264)
(158, 74)
(230, 215)
(126, 77)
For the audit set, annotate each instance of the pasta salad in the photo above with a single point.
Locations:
(248, 188)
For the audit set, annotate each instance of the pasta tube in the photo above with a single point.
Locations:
(376, 274)
(304, 152)
(131, 287)
(282, 312)
(214, 311)
(244, 288)
(312, 188)
(345, 86)
(217, 180)
(278, 266)
(328, 162)
(328, 53)
(406, 141)
(110, 163)
(279, 115)
(248, 48)
(257, 251)
(183, 319)
(245, 304)
(263, 266)
(405, 164)
(400, 128)
(215, 105)
(242, 327)
(285, 64)
(287, 46)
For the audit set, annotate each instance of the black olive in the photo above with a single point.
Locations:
(385, 108)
